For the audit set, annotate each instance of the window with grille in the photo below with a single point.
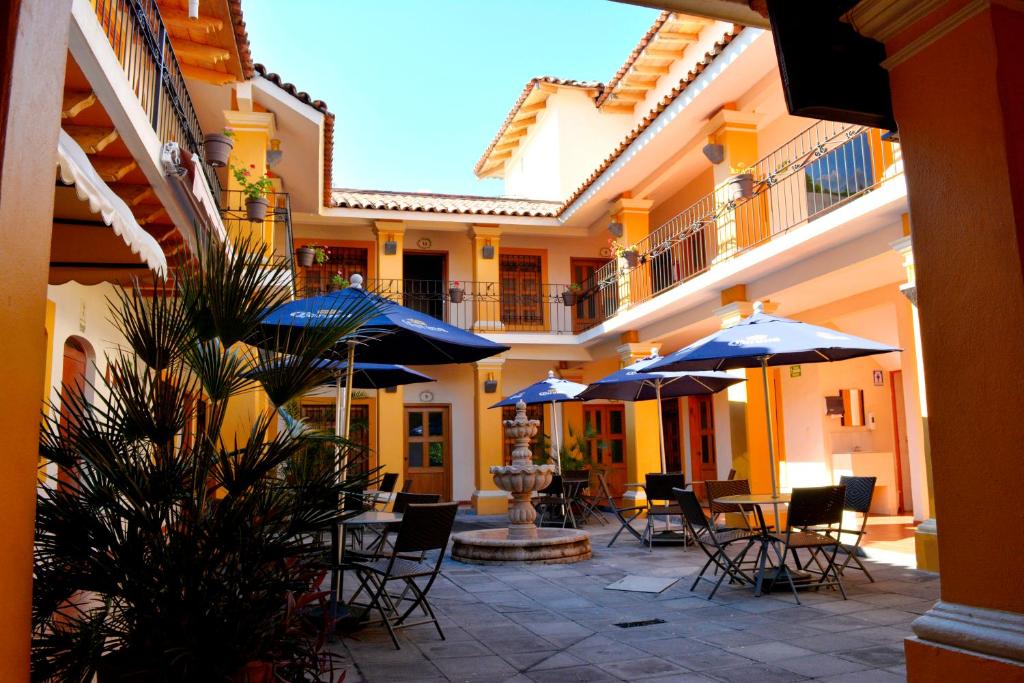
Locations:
(321, 416)
(344, 261)
(533, 412)
(522, 292)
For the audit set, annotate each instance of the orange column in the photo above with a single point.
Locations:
(634, 216)
(39, 31)
(957, 83)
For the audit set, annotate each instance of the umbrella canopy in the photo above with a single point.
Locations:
(395, 335)
(376, 375)
(549, 390)
(632, 384)
(762, 340)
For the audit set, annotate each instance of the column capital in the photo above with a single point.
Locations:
(732, 313)
(730, 120)
(389, 227)
(492, 232)
(629, 205)
(251, 122)
(492, 363)
(634, 351)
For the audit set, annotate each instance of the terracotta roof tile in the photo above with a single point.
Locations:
(241, 38)
(321, 107)
(441, 203)
(653, 114)
(633, 56)
(527, 89)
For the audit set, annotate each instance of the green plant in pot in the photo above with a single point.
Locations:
(574, 452)
(217, 147)
(339, 281)
(255, 191)
(182, 545)
(571, 295)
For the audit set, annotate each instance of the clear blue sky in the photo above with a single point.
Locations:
(419, 87)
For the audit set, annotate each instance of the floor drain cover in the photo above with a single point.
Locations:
(645, 622)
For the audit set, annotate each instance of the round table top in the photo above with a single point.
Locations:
(373, 517)
(754, 499)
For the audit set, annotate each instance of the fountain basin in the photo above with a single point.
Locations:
(512, 546)
(523, 478)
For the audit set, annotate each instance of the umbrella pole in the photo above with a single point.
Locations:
(661, 429)
(556, 436)
(771, 436)
(349, 371)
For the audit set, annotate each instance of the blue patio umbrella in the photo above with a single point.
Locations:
(377, 375)
(632, 383)
(549, 390)
(762, 340)
(396, 334)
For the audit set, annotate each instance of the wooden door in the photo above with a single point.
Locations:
(606, 426)
(428, 449)
(590, 308)
(72, 383)
(702, 439)
(671, 433)
(522, 296)
(902, 449)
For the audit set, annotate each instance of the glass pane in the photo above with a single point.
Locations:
(436, 423)
(705, 449)
(615, 422)
(416, 455)
(415, 424)
(436, 454)
(618, 452)
(703, 414)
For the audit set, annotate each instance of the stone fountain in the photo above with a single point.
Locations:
(522, 541)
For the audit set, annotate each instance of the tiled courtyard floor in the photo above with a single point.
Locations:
(554, 623)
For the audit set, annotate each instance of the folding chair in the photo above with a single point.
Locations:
(402, 502)
(551, 499)
(729, 487)
(714, 542)
(625, 515)
(812, 514)
(407, 485)
(424, 529)
(382, 496)
(589, 504)
(661, 505)
(859, 492)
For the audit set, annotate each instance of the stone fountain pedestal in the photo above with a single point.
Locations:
(522, 541)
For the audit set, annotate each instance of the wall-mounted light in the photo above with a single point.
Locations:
(490, 385)
(616, 229)
(487, 251)
(274, 154)
(714, 153)
(390, 247)
(193, 9)
(390, 390)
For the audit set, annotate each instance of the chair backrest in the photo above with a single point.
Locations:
(817, 506)
(354, 502)
(659, 486)
(859, 491)
(425, 527)
(732, 475)
(554, 488)
(576, 475)
(387, 482)
(403, 500)
(693, 513)
(407, 485)
(604, 491)
(717, 488)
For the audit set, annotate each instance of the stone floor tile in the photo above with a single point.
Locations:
(709, 659)
(559, 660)
(488, 668)
(521, 661)
(584, 674)
(833, 642)
(769, 651)
(598, 648)
(816, 666)
(881, 657)
(445, 649)
(400, 671)
(762, 673)
(645, 667)
(866, 676)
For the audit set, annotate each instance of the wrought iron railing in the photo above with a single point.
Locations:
(481, 306)
(143, 47)
(276, 228)
(819, 170)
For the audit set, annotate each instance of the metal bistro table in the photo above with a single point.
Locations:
(338, 537)
(756, 501)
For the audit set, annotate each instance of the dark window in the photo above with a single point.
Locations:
(522, 292)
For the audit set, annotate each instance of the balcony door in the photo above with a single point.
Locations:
(605, 425)
(703, 461)
(425, 282)
(428, 451)
(522, 290)
(590, 308)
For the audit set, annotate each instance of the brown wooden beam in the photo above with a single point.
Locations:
(75, 102)
(112, 169)
(92, 139)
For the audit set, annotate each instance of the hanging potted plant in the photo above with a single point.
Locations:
(570, 295)
(256, 191)
(339, 281)
(741, 185)
(627, 254)
(304, 256)
(217, 147)
(456, 293)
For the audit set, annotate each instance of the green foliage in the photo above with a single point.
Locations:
(320, 255)
(574, 452)
(173, 557)
(253, 189)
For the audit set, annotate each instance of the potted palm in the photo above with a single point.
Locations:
(217, 147)
(255, 191)
(456, 293)
(570, 295)
(181, 550)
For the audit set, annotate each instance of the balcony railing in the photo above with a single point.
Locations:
(826, 166)
(276, 230)
(481, 306)
(143, 47)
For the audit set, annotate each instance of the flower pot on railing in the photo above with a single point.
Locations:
(304, 256)
(742, 186)
(217, 149)
(256, 209)
(631, 257)
(569, 297)
(456, 294)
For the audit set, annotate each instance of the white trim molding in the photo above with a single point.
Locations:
(976, 629)
(882, 19)
(935, 32)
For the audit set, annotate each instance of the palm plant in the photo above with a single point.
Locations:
(180, 550)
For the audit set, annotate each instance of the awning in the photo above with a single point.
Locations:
(75, 169)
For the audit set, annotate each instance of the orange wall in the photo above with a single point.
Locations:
(683, 199)
(968, 86)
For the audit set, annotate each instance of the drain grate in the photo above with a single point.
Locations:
(645, 622)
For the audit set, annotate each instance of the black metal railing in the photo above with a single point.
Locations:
(277, 226)
(819, 170)
(143, 47)
(480, 306)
